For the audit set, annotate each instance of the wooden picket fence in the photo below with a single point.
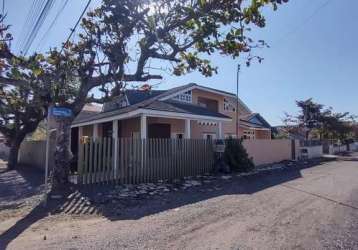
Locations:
(142, 160)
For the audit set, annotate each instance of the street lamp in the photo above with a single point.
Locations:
(237, 101)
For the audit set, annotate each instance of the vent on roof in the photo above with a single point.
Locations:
(145, 87)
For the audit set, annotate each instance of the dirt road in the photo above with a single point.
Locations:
(312, 208)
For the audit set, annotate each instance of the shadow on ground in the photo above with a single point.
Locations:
(79, 199)
(17, 185)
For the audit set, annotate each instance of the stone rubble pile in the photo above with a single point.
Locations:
(202, 183)
(147, 190)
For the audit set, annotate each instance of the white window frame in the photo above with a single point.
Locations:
(175, 135)
(249, 134)
(186, 97)
(213, 136)
(228, 135)
(229, 106)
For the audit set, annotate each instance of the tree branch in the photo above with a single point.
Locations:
(97, 81)
(12, 82)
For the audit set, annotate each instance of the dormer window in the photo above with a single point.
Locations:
(184, 97)
(229, 106)
(123, 103)
(118, 102)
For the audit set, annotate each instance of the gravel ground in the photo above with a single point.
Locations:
(292, 208)
(20, 190)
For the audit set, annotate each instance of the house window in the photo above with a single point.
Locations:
(229, 106)
(123, 103)
(227, 136)
(184, 97)
(209, 136)
(249, 134)
(210, 104)
(135, 135)
(177, 136)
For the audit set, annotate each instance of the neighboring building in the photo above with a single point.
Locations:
(289, 132)
(189, 111)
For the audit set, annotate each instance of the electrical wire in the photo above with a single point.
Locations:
(34, 11)
(74, 28)
(305, 21)
(40, 20)
(45, 35)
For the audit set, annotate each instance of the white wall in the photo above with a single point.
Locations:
(33, 153)
(339, 149)
(312, 152)
(353, 146)
(268, 151)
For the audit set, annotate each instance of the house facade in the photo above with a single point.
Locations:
(189, 111)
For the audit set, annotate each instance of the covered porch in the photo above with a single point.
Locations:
(127, 147)
(148, 124)
(145, 126)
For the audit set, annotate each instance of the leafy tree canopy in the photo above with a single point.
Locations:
(315, 120)
(121, 40)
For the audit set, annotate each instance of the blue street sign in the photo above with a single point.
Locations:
(61, 112)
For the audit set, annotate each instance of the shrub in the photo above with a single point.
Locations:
(236, 157)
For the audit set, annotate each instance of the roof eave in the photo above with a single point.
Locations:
(151, 113)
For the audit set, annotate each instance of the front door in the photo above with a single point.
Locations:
(159, 130)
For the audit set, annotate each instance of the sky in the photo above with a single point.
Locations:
(313, 53)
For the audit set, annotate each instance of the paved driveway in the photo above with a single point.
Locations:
(313, 208)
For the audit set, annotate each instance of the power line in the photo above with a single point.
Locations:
(78, 21)
(59, 12)
(305, 21)
(38, 25)
(3, 7)
(34, 11)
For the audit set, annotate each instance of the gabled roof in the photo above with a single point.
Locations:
(254, 120)
(157, 100)
(88, 110)
(168, 106)
(136, 96)
(191, 86)
(179, 107)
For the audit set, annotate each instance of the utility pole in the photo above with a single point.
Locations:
(237, 101)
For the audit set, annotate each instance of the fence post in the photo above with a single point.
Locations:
(80, 160)
(115, 148)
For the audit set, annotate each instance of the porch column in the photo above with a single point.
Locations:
(115, 147)
(187, 133)
(220, 132)
(95, 131)
(80, 134)
(80, 151)
(143, 127)
(143, 136)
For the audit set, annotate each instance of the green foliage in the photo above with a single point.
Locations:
(23, 98)
(320, 122)
(119, 36)
(236, 157)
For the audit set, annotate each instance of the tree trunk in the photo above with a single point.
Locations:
(63, 154)
(13, 155)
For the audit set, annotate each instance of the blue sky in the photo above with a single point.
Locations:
(313, 54)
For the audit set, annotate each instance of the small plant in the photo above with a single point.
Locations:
(236, 157)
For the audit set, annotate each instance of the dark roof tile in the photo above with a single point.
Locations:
(179, 107)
